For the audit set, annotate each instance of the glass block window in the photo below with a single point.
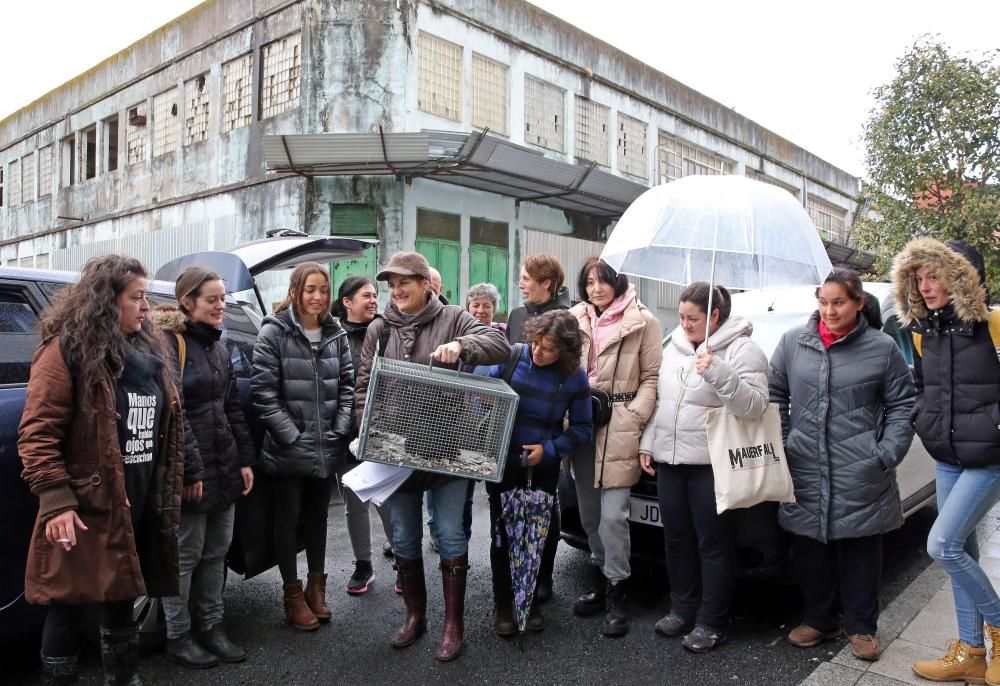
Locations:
(165, 121)
(632, 146)
(135, 133)
(764, 178)
(195, 110)
(592, 122)
(830, 219)
(282, 67)
(677, 159)
(439, 77)
(237, 91)
(45, 171)
(28, 178)
(14, 183)
(489, 94)
(544, 113)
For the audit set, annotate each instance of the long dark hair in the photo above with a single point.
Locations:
(850, 281)
(86, 317)
(348, 287)
(297, 281)
(697, 293)
(562, 330)
(603, 271)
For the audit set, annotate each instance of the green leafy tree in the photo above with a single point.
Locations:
(933, 155)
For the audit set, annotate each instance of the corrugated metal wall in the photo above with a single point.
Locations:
(154, 248)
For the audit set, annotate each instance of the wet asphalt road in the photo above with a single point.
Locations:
(354, 647)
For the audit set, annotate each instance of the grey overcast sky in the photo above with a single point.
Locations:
(802, 69)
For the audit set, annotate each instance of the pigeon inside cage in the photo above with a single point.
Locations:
(437, 420)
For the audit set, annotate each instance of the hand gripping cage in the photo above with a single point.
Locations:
(437, 420)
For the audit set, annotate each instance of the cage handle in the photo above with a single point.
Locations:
(430, 363)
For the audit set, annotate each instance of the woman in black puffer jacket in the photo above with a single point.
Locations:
(219, 453)
(303, 391)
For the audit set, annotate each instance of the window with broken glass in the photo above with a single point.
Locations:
(592, 121)
(166, 117)
(28, 178)
(544, 114)
(678, 159)
(830, 220)
(489, 94)
(237, 92)
(135, 134)
(281, 64)
(196, 110)
(632, 146)
(45, 171)
(439, 76)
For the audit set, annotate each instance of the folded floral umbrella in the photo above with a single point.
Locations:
(526, 513)
(731, 230)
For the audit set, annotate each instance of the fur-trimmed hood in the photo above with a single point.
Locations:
(170, 318)
(957, 275)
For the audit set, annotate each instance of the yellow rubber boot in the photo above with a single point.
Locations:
(961, 662)
(993, 671)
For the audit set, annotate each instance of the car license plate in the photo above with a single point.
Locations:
(644, 511)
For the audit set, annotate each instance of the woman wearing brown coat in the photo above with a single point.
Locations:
(103, 449)
(621, 352)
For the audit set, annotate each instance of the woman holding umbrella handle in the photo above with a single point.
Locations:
(550, 382)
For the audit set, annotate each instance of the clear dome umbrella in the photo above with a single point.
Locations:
(730, 230)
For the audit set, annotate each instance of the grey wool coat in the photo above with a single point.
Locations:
(303, 397)
(845, 416)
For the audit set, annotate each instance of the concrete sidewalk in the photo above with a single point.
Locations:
(917, 625)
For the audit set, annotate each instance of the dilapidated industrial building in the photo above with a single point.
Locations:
(475, 132)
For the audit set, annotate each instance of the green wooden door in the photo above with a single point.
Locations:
(356, 221)
(446, 257)
(488, 264)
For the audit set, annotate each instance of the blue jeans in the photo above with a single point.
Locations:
(203, 541)
(964, 497)
(446, 508)
(466, 514)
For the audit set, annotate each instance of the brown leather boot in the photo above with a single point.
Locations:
(962, 662)
(993, 671)
(411, 579)
(316, 596)
(454, 573)
(297, 612)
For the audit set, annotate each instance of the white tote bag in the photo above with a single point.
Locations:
(748, 459)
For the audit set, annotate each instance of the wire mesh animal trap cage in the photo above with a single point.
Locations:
(437, 420)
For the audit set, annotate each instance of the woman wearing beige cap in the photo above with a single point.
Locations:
(421, 327)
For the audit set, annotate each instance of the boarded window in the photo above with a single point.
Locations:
(439, 77)
(45, 171)
(632, 146)
(431, 224)
(830, 219)
(352, 220)
(196, 110)
(282, 65)
(165, 121)
(237, 105)
(592, 131)
(489, 94)
(111, 143)
(14, 183)
(28, 178)
(678, 159)
(135, 134)
(544, 114)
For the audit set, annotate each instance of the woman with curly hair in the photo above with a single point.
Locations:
(550, 382)
(102, 443)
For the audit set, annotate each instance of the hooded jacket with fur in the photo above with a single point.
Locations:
(957, 413)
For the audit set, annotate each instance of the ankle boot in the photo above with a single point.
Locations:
(297, 612)
(616, 620)
(316, 596)
(454, 573)
(411, 579)
(960, 662)
(120, 656)
(993, 671)
(592, 602)
(59, 671)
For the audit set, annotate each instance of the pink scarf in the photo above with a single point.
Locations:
(604, 326)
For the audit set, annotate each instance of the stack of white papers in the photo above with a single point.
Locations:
(376, 481)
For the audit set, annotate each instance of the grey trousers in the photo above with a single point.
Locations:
(604, 516)
(203, 540)
(359, 526)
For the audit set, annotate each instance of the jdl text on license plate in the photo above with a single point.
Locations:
(644, 511)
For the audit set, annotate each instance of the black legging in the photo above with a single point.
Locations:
(301, 506)
(61, 633)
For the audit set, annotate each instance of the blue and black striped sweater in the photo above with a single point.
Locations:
(546, 395)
